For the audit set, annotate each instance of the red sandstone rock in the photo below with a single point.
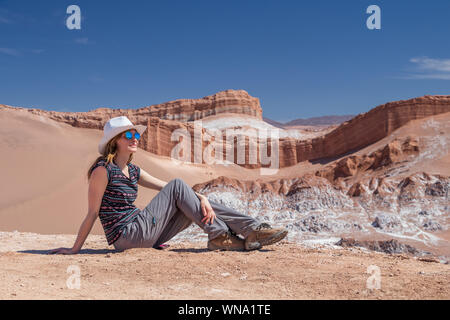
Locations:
(392, 152)
(361, 131)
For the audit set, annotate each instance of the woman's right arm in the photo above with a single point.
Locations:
(97, 187)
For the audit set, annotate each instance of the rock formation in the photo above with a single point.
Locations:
(391, 246)
(163, 119)
(182, 110)
(375, 194)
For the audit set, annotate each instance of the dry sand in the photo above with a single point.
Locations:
(189, 271)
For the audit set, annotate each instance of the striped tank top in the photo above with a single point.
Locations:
(117, 208)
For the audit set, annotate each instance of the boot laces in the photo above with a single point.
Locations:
(263, 226)
(230, 233)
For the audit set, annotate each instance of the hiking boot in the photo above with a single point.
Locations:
(227, 241)
(264, 235)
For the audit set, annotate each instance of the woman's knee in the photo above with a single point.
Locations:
(176, 186)
(178, 182)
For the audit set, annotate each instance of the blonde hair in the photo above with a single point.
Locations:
(108, 154)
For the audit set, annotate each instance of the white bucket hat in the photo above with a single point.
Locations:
(114, 126)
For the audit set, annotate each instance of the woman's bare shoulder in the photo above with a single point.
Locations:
(100, 171)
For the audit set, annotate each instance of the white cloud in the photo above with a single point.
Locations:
(429, 68)
(10, 52)
(436, 76)
(84, 41)
(5, 16)
(4, 20)
(430, 64)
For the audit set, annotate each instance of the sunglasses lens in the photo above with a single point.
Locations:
(129, 135)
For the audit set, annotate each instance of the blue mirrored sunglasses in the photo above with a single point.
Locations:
(129, 135)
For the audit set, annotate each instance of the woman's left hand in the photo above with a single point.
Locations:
(63, 251)
(208, 211)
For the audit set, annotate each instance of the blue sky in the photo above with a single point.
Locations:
(300, 58)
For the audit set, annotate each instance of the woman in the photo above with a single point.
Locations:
(113, 188)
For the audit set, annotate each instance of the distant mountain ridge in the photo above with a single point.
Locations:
(314, 121)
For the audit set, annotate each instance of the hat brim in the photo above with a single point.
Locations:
(105, 139)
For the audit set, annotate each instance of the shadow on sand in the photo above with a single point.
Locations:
(82, 251)
(107, 251)
(200, 250)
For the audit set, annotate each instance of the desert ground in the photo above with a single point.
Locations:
(188, 270)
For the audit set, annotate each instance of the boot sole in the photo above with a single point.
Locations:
(265, 242)
(214, 247)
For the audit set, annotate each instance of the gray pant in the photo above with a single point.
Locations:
(171, 211)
